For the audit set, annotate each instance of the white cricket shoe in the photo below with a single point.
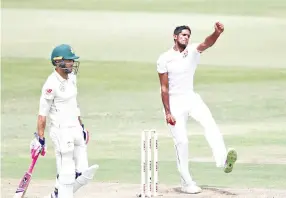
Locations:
(230, 160)
(191, 189)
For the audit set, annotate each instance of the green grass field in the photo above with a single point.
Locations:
(239, 7)
(246, 102)
(242, 79)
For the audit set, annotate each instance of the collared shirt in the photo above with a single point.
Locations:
(181, 67)
(59, 100)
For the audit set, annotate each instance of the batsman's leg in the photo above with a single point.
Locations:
(66, 175)
(64, 148)
(201, 113)
(85, 177)
(53, 135)
(84, 174)
(80, 157)
(55, 192)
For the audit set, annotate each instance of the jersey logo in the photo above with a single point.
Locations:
(48, 91)
(62, 87)
(185, 54)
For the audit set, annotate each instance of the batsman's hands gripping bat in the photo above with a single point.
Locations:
(37, 147)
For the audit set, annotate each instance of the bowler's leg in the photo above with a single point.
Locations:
(179, 109)
(201, 113)
(179, 133)
(180, 138)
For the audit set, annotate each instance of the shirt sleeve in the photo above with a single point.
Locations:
(46, 99)
(195, 54)
(45, 106)
(48, 91)
(161, 65)
(193, 48)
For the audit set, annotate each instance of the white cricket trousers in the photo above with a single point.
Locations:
(183, 106)
(71, 156)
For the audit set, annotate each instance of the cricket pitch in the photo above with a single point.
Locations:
(42, 188)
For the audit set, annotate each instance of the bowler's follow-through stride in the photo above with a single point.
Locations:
(176, 68)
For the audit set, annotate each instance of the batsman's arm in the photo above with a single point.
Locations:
(41, 126)
(211, 39)
(165, 91)
(45, 105)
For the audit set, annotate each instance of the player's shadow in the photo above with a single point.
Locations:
(217, 190)
(210, 188)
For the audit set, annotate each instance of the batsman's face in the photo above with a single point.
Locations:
(69, 65)
(183, 38)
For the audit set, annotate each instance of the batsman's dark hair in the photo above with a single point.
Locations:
(179, 29)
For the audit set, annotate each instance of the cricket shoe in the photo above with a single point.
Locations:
(230, 160)
(191, 189)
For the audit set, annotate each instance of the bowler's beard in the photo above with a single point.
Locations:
(181, 46)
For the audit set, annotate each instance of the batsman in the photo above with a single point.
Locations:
(58, 103)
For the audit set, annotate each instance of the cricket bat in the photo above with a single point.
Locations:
(25, 181)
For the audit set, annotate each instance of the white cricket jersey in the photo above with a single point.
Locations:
(181, 67)
(59, 100)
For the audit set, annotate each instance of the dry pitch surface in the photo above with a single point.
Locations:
(41, 189)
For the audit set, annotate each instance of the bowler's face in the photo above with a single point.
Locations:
(183, 38)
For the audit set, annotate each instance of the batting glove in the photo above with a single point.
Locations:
(85, 134)
(38, 145)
